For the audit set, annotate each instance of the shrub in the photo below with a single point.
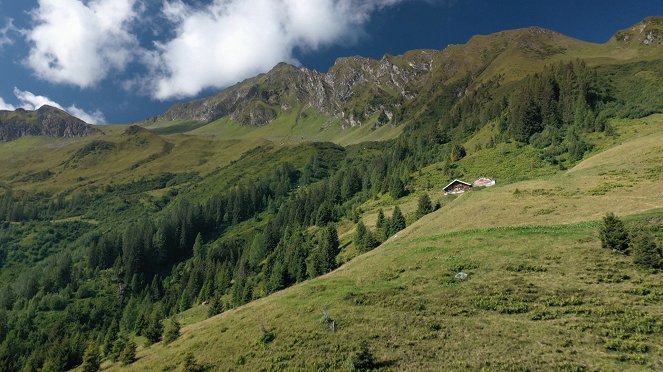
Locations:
(613, 234)
(363, 359)
(645, 251)
(189, 364)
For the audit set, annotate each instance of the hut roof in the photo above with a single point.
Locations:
(456, 181)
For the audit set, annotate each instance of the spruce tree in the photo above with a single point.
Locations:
(216, 307)
(381, 226)
(424, 206)
(128, 354)
(397, 188)
(91, 359)
(613, 234)
(171, 331)
(645, 251)
(198, 251)
(364, 240)
(397, 222)
(360, 235)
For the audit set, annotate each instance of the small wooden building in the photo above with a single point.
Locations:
(457, 187)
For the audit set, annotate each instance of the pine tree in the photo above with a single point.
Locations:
(154, 328)
(613, 234)
(424, 206)
(397, 188)
(645, 251)
(171, 331)
(198, 250)
(128, 354)
(397, 222)
(381, 226)
(360, 235)
(216, 307)
(364, 240)
(91, 359)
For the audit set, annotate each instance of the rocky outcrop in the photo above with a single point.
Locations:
(647, 33)
(354, 88)
(46, 121)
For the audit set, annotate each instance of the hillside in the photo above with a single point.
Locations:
(360, 91)
(45, 121)
(297, 192)
(541, 293)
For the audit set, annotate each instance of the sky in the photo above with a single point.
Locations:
(122, 61)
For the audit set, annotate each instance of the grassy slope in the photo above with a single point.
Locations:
(539, 294)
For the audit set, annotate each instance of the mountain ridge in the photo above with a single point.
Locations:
(45, 121)
(357, 88)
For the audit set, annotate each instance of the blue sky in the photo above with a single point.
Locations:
(121, 61)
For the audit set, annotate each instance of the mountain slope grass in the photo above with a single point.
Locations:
(536, 297)
(540, 292)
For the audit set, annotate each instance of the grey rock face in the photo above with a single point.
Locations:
(46, 121)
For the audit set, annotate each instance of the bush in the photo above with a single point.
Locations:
(189, 364)
(363, 359)
(613, 234)
(645, 251)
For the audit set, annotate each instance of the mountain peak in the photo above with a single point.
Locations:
(648, 32)
(45, 121)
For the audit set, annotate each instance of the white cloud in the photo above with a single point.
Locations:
(30, 101)
(229, 40)
(9, 27)
(80, 43)
(6, 106)
(95, 117)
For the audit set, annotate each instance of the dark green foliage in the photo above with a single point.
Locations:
(91, 358)
(216, 307)
(128, 354)
(171, 331)
(457, 152)
(323, 257)
(189, 364)
(382, 226)
(363, 359)
(397, 222)
(645, 251)
(397, 188)
(424, 206)
(613, 234)
(364, 240)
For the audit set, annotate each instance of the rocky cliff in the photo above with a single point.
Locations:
(356, 88)
(46, 121)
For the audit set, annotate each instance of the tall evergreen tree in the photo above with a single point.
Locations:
(613, 234)
(397, 222)
(91, 358)
(424, 206)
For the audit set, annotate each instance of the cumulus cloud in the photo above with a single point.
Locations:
(6, 106)
(226, 41)
(30, 101)
(80, 43)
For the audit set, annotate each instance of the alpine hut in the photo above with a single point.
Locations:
(456, 187)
